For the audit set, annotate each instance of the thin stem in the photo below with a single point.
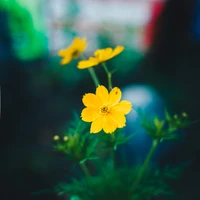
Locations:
(112, 155)
(145, 164)
(112, 151)
(94, 76)
(109, 75)
(85, 169)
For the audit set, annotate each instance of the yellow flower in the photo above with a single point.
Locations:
(100, 55)
(105, 110)
(73, 51)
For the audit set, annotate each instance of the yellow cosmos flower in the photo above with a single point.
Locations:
(105, 110)
(100, 55)
(73, 51)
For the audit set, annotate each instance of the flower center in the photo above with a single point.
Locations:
(104, 109)
(75, 54)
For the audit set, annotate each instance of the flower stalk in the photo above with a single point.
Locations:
(109, 75)
(94, 76)
(145, 164)
(112, 152)
(85, 169)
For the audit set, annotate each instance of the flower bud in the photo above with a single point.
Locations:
(184, 114)
(56, 137)
(65, 138)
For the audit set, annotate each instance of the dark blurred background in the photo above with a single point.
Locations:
(38, 96)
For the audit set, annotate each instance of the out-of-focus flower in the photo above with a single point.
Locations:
(73, 51)
(100, 56)
(56, 137)
(105, 110)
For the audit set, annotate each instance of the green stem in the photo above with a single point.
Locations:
(112, 151)
(112, 155)
(85, 169)
(109, 74)
(94, 76)
(145, 164)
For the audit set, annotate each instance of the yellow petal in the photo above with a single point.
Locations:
(79, 44)
(106, 54)
(66, 52)
(89, 114)
(123, 107)
(78, 41)
(88, 63)
(103, 54)
(98, 52)
(114, 96)
(119, 118)
(62, 52)
(117, 50)
(102, 93)
(66, 60)
(91, 100)
(97, 124)
(109, 124)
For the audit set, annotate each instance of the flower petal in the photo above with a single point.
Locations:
(89, 114)
(119, 118)
(98, 52)
(109, 124)
(124, 107)
(78, 41)
(66, 60)
(91, 100)
(103, 54)
(63, 52)
(102, 93)
(106, 54)
(88, 63)
(97, 124)
(79, 44)
(117, 50)
(114, 96)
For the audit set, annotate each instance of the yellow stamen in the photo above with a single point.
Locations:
(104, 109)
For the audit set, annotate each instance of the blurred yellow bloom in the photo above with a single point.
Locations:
(105, 110)
(100, 55)
(73, 51)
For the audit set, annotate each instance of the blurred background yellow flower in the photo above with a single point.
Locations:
(101, 55)
(73, 51)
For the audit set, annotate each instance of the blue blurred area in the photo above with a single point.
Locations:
(146, 99)
(196, 21)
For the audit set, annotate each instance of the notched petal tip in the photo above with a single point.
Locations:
(97, 125)
(123, 106)
(102, 93)
(91, 62)
(89, 114)
(91, 100)
(114, 96)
